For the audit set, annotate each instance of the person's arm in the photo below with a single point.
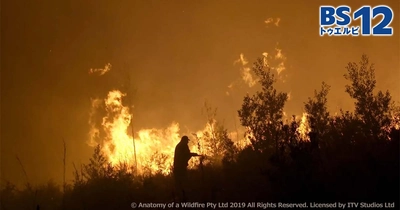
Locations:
(188, 155)
(194, 154)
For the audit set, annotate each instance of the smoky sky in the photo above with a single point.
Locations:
(178, 54)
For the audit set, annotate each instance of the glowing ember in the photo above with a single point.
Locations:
(101, 71)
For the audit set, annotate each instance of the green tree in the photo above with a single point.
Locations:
(97, 167)
(216, 140)
(262, 113)
(373, 109)
(317, 110)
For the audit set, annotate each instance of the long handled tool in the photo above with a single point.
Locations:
(132, 130)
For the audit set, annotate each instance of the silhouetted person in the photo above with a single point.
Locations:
(181, 159)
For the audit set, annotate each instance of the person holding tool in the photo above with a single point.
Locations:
(181, 159)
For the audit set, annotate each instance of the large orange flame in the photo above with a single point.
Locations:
(154, 147)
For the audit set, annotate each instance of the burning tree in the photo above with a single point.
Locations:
(214, 140)
(317, 110)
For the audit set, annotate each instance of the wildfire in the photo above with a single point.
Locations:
(101, 71)
(153, 148)
(246, 71)
(304, 128)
